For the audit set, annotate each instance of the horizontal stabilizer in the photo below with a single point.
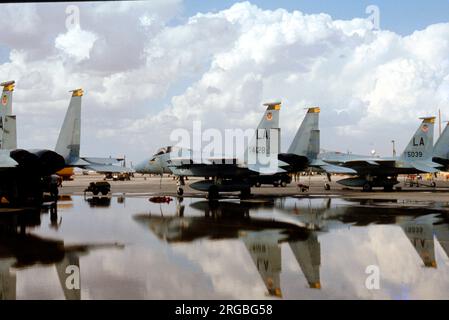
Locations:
(283, 164)
(107, 168)
(361, 162)
(102, 160)
(337, 169)
(6, 161)
(265, 169)
(78, 162)
(430, 164)
(424, 167)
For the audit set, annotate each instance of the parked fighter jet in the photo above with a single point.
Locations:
(383, 172)
(419, 156)
(68, 144)
(301, 155)
(24, 174)
(369, 171)
(228, 174)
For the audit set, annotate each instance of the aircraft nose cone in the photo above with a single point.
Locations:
(147, 167)
(140, 168)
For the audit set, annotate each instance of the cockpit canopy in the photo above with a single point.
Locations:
(165, 150)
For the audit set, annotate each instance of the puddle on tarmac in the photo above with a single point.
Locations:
(311, 248)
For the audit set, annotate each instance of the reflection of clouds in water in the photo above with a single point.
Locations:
(402, 271)
(38, 283)
(228, 265)
(142, 273)
(149, 268)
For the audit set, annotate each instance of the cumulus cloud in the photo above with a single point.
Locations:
(76, 43)
(161, 72)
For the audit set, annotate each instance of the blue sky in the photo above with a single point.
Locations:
(144, 84)
(402, 17)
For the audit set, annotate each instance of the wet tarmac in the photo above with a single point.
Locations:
(264, 248)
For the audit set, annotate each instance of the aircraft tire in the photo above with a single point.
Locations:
(180, 191)
(283, 184)
(257, 184)
(327, 186)
(367, 187)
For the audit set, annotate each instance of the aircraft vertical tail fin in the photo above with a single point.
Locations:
(263, 149)
(441, 148)
(6, 101)
(9, 133)
(68, 144)
(6, 110)
(307, 139)
(420, 146)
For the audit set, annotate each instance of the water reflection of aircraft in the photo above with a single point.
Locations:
(20, 250)
(262, 236)
(418, 223)
(420, 234)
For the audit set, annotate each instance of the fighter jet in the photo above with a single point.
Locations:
(369, 171)
(227, 174)
(383, 172)
(68, 144)
(301, 155)
(23, 173)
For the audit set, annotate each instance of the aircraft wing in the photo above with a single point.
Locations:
(6, 161)
(104, 168)
(100, 165)
(103, 160)
(354, 163)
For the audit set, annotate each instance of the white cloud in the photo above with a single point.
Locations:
(157, 74)
(76, 43)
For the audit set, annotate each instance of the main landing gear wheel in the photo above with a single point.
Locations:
(283, 184)
(327, 186)
(180, 191)
(367, 187)
(433, 184)
(258, 184)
